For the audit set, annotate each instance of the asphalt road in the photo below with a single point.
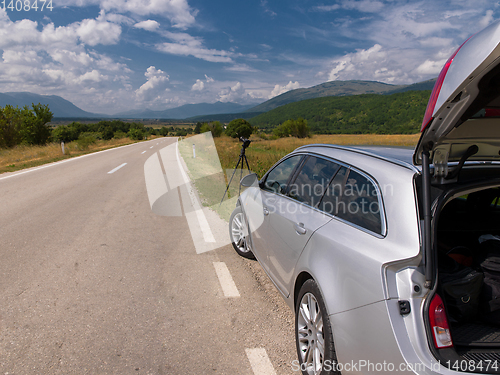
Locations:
(92, 281)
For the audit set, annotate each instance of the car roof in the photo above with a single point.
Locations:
(399, 155)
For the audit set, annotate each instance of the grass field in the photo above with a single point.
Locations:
(21, 157)
(262, 154)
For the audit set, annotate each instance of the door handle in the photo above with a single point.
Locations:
(266, 211)
(299, 228)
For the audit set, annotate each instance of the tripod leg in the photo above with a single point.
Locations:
(246, 160)
(229, 183)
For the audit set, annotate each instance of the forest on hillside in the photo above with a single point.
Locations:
(400, 113)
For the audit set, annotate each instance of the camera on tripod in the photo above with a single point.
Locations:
(246, 142)
(243, 158)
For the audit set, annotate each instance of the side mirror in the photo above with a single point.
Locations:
(249, 180)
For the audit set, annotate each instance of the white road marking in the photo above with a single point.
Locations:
(152, 146)
(261, 365)
(202, 220)
(114, 170)
(143, 152)
(225, 279)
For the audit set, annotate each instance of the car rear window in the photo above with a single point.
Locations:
(354, 198)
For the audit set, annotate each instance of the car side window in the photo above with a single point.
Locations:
(360, 203)
(312, 180)
(354, 198)
(333, 194)
(277, 180)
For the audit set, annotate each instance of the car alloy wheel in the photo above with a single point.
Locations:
(239, 234)
(313, 333)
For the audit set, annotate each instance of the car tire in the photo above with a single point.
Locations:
(237, 230)
(313, 333)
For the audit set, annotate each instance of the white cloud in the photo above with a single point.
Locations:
(93, 76)
(187, 45)
(233, 94)
(430, 68)
(326, 8)
(367, 6)
(487, 19)
(180, 14)
(404, 42)
(55, 60)
(198, 86)
(267, 9)
(93, 32)
(155, 87)
(149, 25)
(387, 65)
(25, 33)
(240, 68)
(278, 90)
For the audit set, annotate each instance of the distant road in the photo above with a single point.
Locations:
(92, 281)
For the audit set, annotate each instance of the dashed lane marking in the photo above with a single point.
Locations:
(225, 279)
(114, 170)
(261, 365)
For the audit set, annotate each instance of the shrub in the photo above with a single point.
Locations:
(295, 128)
(85, 140)
(135, 134)
(108, 133)
(119, 135)
(64, 133)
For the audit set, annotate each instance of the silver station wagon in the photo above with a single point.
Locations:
(390, 258)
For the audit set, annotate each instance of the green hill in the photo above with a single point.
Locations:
(399, 113)
(339, 88)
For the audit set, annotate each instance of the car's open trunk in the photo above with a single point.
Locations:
(463, 221)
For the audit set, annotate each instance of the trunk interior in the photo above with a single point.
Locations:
(469, 273)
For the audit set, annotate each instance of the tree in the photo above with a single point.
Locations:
(164, 131)
(10, 126)
(214, 127)
(239, 128)
(197, 128)
(34, 130)
(301, 129)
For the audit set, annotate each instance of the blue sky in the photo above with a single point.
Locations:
(110, 56)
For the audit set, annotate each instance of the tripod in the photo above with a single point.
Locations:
(243, 157)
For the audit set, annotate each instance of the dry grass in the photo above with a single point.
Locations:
(21, 157)
(262, 154)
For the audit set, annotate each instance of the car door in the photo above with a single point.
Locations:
(259, 206)
(293, 218)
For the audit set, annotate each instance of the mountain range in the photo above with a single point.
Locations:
(63, 108)
(186, 111)
(59, 107)
(339, 88)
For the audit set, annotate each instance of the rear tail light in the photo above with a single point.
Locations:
(439, 324)
(437, 89)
